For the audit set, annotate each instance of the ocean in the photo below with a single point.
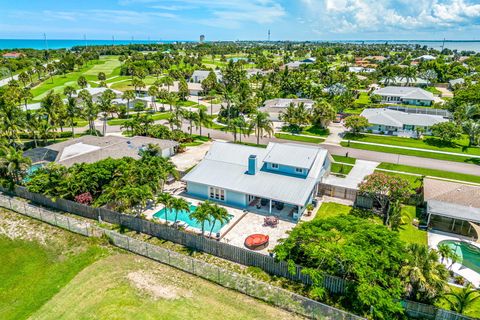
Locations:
(67, 44)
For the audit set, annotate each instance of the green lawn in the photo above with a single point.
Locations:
(332, 209)
(109, 65)
(315, 131)
(430, 143)
(344, 159)
(72, 277)
(430, 172)
(408, 232)
(363, 99)
(287, 136)
(416, 153)
(433, 90)
(32, 273)
(155, 117)
(341, 168)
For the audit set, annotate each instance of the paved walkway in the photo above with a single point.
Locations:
(336, 132)
(415, 149)
(361, 169)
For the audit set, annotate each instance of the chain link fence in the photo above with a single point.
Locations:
(257, 289)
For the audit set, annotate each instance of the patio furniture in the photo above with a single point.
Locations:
(263, 202)
(270, 221)
(256, 241)
(279, 205)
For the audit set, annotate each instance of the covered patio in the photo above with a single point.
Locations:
(270, 207)
(454, 218)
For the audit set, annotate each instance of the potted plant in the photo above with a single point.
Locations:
(310, 208)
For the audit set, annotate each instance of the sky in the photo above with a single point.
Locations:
(241, 19)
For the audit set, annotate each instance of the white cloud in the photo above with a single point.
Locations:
(354, 16)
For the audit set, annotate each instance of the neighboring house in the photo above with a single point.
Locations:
(406, 95)
(199, 75)
(309, 60)
(256, 72)
(282, 175)
(453, 207)
(274, 107)
(97, 92)
(452, 84)
(361, 70)
(401, 81)
(89, 149)
(425, 57)
(399, 123)
(12, 55)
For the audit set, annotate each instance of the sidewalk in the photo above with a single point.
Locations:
(410, 148)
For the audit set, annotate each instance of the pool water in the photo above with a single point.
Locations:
(185, 217)
(31, 170)
(469, 254)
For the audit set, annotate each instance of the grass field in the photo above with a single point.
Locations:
(429, 143)
(155, 117)
(408, 232)
(344, 159)
(341, 168)
(363, 99)
(416, 153)
(287, 136)
(430, 172)
(53, 274)
(107, 64)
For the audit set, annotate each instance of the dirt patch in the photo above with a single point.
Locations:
(14, 227)
(150, 284)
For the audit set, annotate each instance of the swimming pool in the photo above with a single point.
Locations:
(468, 253)
(31, 170)
(185, 217)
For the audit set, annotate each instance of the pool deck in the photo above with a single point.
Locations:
(435, 237)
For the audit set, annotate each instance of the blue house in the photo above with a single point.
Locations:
(280, 178)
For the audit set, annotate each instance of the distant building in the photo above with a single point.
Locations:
(256, 72)
(452, 84)
(361, 70)
(12, 55)
(274, 107)
(89, 149)
(405, 95)
(202, 38)
(425, 57)
(399, 123)
(199, 75)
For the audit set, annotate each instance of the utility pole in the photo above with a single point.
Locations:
(45, 39)
(113, 40)
(85, 39)
(268, 35)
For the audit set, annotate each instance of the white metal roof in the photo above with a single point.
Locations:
(292, 155)
(226, 164)
(453, 210)
(405, 93)
(394, 118)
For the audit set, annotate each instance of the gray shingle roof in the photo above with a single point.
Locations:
(225, 166)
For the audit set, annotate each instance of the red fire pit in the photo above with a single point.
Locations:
(256, 241)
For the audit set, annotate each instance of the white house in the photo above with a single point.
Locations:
(274, 107)
(401, 81)
(281, 177)
(405, 95)
(399, 123)
(199, 75)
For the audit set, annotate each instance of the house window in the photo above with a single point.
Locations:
(298, 170)
(274, 165)
(217, 194)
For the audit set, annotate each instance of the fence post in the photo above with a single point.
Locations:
(55, 216)
(193, 265)
(68, 224)
(146, 249)
(10, 203)
(40, 212)
(25, 209)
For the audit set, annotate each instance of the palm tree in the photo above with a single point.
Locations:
(105, 104)
(410, 74)
(445, 251)
(82, 82)
(202, 118)
(172, 100)
(179, 204)
(26, 96)
(128, 95)
(24, 78)
(166, 200)
(191, 117)
(50, 70)
(261, 123)
(14, 163)
(460, 300)
(153, 92)
(89, 110)
(424, 276)
(219, 214)
(202, 214)
(168, 81)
